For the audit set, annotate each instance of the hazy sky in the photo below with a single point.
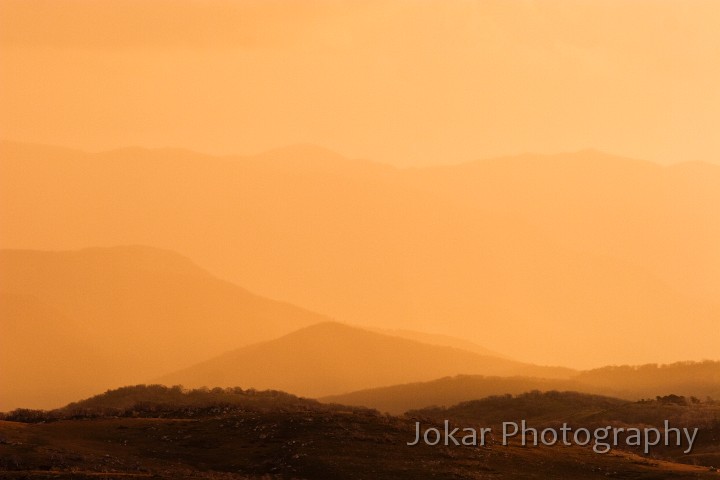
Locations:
(404, 82)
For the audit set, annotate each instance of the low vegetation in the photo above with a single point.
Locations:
(174, 433)
(549, 409)
(160, 401)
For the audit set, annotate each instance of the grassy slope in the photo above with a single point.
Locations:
(313, 444)
(267, 434)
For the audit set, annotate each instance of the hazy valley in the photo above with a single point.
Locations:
(417, 292)
(470, 255)
(326, 240)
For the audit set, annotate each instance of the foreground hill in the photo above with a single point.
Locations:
(331, 358)
(75, 322)
(260, 435)
(698, 379)
(173, 402)
(468, 251)
(594, 411)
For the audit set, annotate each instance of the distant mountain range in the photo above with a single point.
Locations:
(75, 322)
(583, 251)
(698, 379)
(330, 358)
(96, 318)
(439, 339)
(78, 322)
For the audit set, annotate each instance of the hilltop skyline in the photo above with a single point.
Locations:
(323, 150)
(286, 237)
(403, 83)
(589, 251)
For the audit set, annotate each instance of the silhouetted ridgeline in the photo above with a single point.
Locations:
(330, 358)
(292, 434)
(588, 245)
(699, 379)
(551, 409)
(447, 391)
(689, 379)
(579, 409)
(149, 310)
(158, 401)
(292, 439)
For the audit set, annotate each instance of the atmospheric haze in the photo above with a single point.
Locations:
(330, 197)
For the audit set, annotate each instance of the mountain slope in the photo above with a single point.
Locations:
(38, 370)
(331, 358)
(698, 379)
(446, 391)
(464, 252)
(441, 340)
(663, 218)
(151, 432)
(593, 411)
(120, 315)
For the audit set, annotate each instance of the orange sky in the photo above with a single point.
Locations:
(403, 82)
